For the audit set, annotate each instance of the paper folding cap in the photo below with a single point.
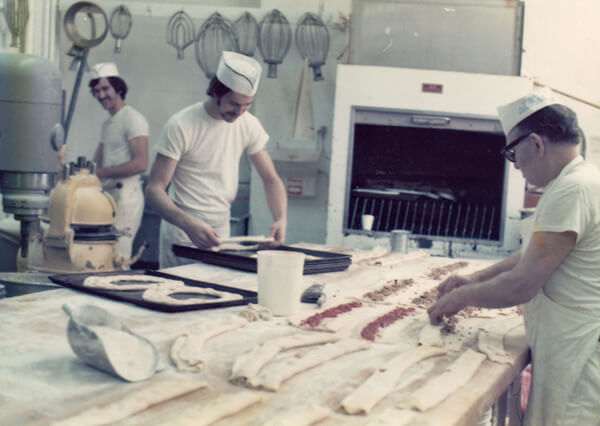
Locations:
(513, 113)
(104, 69)
(239, 72)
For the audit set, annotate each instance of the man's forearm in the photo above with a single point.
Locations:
(497, 268)
(504, 290)
(162, 204)
(276, 199)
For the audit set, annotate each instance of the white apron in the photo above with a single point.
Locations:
(171, 234)
(562, 342)
(130, 209)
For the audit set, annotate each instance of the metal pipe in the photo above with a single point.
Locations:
(80, 69)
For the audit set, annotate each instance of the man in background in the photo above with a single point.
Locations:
(122, 154)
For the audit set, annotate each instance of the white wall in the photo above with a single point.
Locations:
(560, 50)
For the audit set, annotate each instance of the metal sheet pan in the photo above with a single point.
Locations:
(75, 281)
(244, 260)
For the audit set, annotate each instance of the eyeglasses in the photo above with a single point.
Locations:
(508, 151)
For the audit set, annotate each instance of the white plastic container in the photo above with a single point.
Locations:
(280, 280)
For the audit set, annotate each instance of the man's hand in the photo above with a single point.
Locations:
(278, 231)
(447, 305)
(202, 234)
(453, 282)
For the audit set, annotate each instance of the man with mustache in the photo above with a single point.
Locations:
(198, 158)
(122, 154)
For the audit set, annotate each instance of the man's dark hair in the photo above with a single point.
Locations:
(557, 122)
(116, 82)
(216, 88)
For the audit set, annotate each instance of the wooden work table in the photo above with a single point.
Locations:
(42, 380)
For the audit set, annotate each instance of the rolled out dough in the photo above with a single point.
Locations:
(384, 379)
(140, 282)
(440, 387)
(186, 350)
(273, 375)
(248, 365)
(163, 294)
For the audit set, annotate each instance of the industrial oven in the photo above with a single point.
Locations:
(419, 150)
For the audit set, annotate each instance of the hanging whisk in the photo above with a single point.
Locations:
(274, 40)
(247, 30)
(180, 32)
(120, 25)
(16, 13)
(215, 36)
(312, 41)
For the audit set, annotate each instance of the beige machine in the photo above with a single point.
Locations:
(80, 236)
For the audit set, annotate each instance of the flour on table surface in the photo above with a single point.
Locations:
(136, 400)
(303, 415)
(211, 411)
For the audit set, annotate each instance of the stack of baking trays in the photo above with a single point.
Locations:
(315, 262)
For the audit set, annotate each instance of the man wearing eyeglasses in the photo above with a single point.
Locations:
(556, 274)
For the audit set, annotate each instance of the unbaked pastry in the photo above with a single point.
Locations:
(186, 350)
(447, 383)
(384, 379)
(162, 293)
(136, 282)
(271, 378)
(247, 366)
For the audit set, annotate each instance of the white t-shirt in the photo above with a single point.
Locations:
(116, 133)
(571, 202)
(208, 153)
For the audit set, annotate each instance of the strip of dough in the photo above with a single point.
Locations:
(431, 335)
(273, 375)
(248, 365)
(135, 401)
(491, 344)
(384, 379)
(303, 415)
(186, 350)
(108, 282)
(440, 387)
(216, 409)
(159, 293)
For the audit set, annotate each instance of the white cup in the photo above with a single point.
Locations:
(367, 221)
(280, 275)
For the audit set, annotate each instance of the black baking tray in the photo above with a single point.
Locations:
(75, 281)
(243, 260)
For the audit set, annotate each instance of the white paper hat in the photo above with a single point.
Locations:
(239, 72)
(104, 69)
(513, 113)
